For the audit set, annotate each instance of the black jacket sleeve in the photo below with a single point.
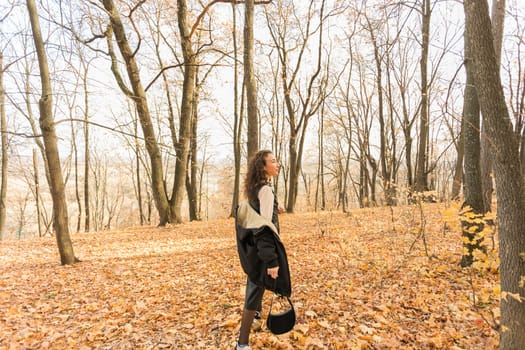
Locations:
(266, 249)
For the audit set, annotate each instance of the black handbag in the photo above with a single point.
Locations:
(282, 322)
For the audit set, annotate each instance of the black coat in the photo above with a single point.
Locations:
(260, 247)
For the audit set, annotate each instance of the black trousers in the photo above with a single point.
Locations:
(253, 296)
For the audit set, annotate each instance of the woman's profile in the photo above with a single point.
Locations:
(261, 251)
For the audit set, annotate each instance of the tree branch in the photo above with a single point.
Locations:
(114, 64)
(207, 8)
(160, 73)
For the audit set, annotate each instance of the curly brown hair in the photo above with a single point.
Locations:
(256, 176)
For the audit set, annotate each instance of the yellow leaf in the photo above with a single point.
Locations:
(310, 313)
(515, 296)
(324, 324)
(302, 327)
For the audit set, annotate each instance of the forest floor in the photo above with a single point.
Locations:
(362, 280)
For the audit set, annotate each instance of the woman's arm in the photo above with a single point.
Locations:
(266, 198)
(266, 248)
(266, 251)
(266, 241)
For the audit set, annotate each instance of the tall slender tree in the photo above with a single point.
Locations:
(421, 180)
(186, 111)
(472, 170)
(510, 187)
(249, 80)
(3, 135)
(385, 157)
(237, 120)
(311, 95)
(138, 94)
(3, 131)
(498, 24)
(47, 125)
(87, 212)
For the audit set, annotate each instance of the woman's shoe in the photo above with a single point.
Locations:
(242, 347)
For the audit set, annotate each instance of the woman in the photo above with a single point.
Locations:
(261, 251)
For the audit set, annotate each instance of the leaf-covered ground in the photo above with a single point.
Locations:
(360, 281)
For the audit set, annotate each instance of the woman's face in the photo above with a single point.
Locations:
(271, 165)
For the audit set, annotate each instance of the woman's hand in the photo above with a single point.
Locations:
(281, 209)
(273, 272)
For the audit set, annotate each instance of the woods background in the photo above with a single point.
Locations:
(362, 102)
(138, 113)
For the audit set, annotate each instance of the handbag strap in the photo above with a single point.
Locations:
(273, 296)
(275, 287)
(277, 294)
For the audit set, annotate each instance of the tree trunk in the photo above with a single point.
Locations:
(47, 125)
(249, 80)
(3, 131)
(87, 158)
(192, 184)
(141, 103)
(510, 189)
(498, 21)
(407, 132)
(299, 113)
(385, 174)
(347, 176)
(76, 167)
(458, 171)
(32, 120)
(138, 173)
(320, 184)
(186, 112)
(421, 181)
(237, 121)
(364, 177)
(37, 194)
(472, 170)
(392, 162)
(372, 180)
(293, 175)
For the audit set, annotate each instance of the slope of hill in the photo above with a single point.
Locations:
(360, 281)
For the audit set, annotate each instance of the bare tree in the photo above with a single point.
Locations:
(3, 131)
(21, 216)
(311, 95)
(421, 180)
(47, 125)
(498, 21)
(37, 194)
(478, 159)
(510, 187)
(387, 157)
(70, 100)
(344, 123)
(458, 172)
(320, 183)
(514, 69)
(138, 162)
(237, 119)
(26, 91)
(99, 178)
(3, 136)
(193, 184)
(472, 170)
(186, 110)
(87, 212)
(363, 121)
(138, 95)
(250, 83)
